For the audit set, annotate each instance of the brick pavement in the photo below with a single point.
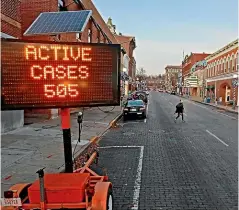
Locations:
(38, 145)
(184, 168)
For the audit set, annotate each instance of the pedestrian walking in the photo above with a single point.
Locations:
(179, 110)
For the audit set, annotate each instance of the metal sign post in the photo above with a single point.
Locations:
(66, 125)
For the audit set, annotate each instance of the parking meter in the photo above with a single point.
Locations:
(79, 120)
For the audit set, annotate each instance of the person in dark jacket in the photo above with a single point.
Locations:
(179, 110)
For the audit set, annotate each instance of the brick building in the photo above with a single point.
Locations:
(18, 15)
(221, 72)
(171, 73)
(189, 81)
(11, 28)
(128, 43)
(11, 18)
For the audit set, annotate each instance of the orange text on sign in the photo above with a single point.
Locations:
(53, 53)
(61, 90)
(71, 72)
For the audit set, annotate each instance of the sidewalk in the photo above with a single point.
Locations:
(39, 145)
(226, 108)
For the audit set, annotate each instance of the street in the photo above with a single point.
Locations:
(158, 164)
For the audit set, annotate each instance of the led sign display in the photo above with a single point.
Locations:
(58, 75)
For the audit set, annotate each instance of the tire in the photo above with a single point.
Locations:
(124, 118)
(110, 200)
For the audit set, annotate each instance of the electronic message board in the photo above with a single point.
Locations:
(56, 75)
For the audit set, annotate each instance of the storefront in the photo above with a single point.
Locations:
(223, 88)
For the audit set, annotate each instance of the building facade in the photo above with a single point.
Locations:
(128, 67)
(190, 81)
(11, 28)
(18, 15)
(222, 74)
(171, 73)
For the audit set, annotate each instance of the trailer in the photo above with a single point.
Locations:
(82, 189)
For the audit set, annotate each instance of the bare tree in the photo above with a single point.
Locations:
(141, 73)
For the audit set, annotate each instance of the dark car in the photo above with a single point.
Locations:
(142, 95)
(134, 108)
(173, 92)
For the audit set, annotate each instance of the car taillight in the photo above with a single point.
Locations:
(125, 109)
(8, 194)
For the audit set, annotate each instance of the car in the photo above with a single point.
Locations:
(142, 95)
(160, 90)
(134, 108)
(173, 92)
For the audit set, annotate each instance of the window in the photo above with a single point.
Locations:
(61, 6)
(214, 69)
(228, 64)
(89, 36)
(135, 103)
(220, 69)
(78, 36)
(236, 61)
(225, 65)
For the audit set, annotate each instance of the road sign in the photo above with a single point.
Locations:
(57, 75)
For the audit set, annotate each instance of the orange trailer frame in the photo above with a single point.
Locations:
(96, 197)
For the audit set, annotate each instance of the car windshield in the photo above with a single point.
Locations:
(135, 103)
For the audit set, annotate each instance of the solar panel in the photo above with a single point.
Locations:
(52, 23)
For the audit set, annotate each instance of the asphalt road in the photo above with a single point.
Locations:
(158, 164)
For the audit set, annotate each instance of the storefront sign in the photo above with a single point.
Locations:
(57, 75)
(199, 65)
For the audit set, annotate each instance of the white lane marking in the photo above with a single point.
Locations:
(110, 147)
(145, 120)
(185, 114)
(137, 183)
(217, 138)
(171, 103)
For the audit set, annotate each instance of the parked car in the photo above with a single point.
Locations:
(142, 95)
(160, 90)
(136, 108)
(173, 92)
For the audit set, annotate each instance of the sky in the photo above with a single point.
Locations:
(164, 29)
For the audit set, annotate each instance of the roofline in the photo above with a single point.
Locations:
(231, 44)
(171, 66)
(96, 24)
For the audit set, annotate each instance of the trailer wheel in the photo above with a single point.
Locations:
(103, 198)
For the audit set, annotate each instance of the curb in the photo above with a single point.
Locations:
(93, 140)
(207, 104)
